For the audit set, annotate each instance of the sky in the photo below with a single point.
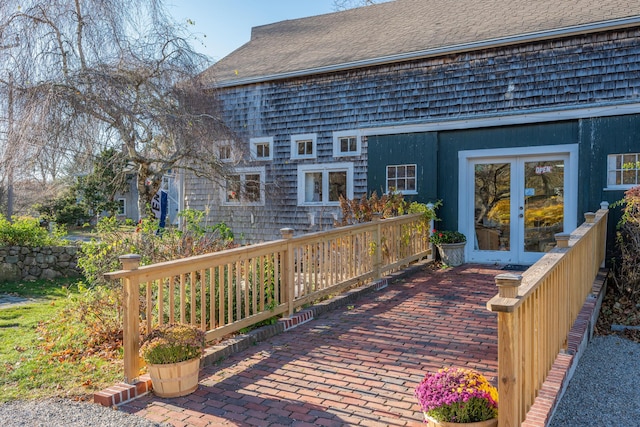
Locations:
(224, 25)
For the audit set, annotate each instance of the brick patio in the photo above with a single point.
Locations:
(356, 365)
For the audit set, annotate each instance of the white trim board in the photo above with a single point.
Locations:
(506, 120)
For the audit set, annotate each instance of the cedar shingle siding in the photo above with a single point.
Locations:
(578, 71)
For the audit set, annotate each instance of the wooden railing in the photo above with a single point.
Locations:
(537, 309)
(226, 291)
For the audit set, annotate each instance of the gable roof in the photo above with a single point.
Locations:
(409, 29)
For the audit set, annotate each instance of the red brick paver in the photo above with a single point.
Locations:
(357, 365)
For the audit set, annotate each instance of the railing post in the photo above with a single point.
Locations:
(432, 226)
(377, 254)
(289, 282)
(508, 353)
(589, 217)
(562, 240)
(605, 207)
(131, 318)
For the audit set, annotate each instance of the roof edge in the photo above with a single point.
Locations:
(446, 50)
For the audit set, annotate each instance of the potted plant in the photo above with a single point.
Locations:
(450, 246)
(172, 354)
(454, 396)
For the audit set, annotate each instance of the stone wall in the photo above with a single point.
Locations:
(25, 263)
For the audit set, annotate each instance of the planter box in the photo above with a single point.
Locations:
(452, 254)
(175, 379)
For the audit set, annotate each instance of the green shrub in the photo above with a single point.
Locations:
(626, 275)
(63, 209)
(26, 231)
(150, 242)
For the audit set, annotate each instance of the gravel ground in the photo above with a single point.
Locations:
(604, 390)
(61, 412)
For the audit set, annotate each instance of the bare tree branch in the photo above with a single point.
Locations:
(351, 4)
(93, 74)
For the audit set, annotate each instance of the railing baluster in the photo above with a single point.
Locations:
(172, 299)
(212, 298)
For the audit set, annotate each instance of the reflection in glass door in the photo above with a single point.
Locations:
(492, 206)
(543, 208)
(518, 207)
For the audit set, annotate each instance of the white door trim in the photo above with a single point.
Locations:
(466, 191)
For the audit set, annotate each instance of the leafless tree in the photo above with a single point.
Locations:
(89, 74)
(351, 4)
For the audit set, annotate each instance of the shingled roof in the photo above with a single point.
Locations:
(407, 29)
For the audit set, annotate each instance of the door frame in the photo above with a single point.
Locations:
(466, 195)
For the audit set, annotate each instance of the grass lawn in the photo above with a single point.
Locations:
(41, 345)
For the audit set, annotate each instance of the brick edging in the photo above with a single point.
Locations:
(553, 388)
(121, 393)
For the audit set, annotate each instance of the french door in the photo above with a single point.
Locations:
(516, 206)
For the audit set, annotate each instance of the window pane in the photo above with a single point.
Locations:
(309, 145)
(618, 162)
(300, 148)
(629, 177)
(391, 172)
(402, 171)
(353, 145)
(400, 186)
(348, 144)
(252, 188)
(344, 145)
(411, 184)
(337, 185)
(313, 187)
(628, 161)
(233, 188)
(411, 171)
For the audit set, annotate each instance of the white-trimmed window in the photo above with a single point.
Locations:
(323, 184)
(245, 186)
(261, 148)
(623, 170)
(224, 152)
(346, 143)
(303, 146)
(402, 179)
(122, 206)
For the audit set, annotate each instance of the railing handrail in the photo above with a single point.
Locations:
(534, 275)
(536, 309)
(185, 265)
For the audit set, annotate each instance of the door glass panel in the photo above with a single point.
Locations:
(543, 204)
(492, 203)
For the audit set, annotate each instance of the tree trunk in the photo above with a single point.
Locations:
(148, 185)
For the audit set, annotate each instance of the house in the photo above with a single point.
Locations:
(519, 115)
